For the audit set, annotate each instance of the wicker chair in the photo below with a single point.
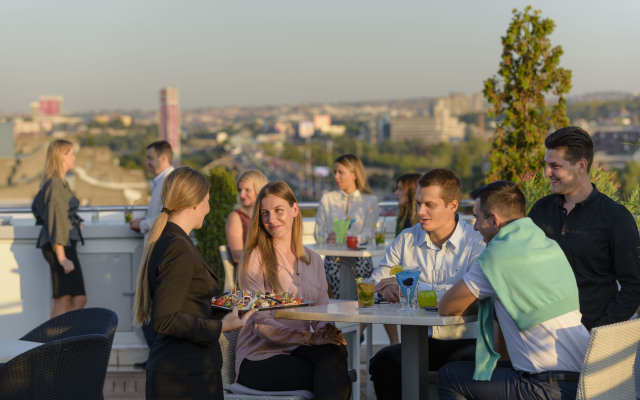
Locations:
(75, 323)
(608, 368)
(237, 391)
(229, 270)
(65, 369)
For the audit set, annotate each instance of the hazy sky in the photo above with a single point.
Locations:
(118, 53)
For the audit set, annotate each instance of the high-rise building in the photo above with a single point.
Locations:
(170, 120)
(6, 139)
(50, 106)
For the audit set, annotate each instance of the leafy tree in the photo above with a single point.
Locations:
(630, 177)
(222, 197)
(529, 70)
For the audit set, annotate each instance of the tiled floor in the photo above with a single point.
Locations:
(124, 383)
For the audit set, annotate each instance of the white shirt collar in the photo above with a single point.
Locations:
(453, 242)
(162, 174)
(354, 194)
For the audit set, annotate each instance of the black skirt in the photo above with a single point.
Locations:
(64, 284)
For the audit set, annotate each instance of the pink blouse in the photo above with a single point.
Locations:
(264, 336)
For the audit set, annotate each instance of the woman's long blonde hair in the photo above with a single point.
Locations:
(53, 164)
(182, 188)
(352, 163)
(410, 186)
(254, 177)
(260, 240)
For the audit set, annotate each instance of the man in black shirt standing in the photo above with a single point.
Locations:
(598, 235)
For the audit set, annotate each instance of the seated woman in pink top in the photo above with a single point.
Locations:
(276, 354)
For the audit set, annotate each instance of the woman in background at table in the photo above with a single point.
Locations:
(406, 186)
(405, 193)
(56, 209)
(276, 354)
(248, 184)
(174, 291)
(355, 200)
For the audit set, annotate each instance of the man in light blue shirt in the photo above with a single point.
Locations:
(440, 241)
(159, 157)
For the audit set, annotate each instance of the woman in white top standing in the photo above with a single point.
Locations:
(355, 200)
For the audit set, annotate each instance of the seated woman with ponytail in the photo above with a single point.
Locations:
(174, 289)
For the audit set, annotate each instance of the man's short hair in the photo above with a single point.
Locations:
(502, 198)
(576, 142)
(162, 147)
(447, 180)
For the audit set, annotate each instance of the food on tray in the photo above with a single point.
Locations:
(246, 300)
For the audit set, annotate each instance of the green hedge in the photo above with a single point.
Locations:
(222, 199)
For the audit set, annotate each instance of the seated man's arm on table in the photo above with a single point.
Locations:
(457, 301)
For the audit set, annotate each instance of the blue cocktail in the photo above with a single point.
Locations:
(408, 281)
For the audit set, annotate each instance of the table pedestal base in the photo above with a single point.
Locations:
(415, 362)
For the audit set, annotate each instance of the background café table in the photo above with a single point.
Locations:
(413, 331)
(347, 283)
(9, 348)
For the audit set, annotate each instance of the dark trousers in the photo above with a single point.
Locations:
(149, 333)
(455, 382)
(385, 367)
(161, 386)
(318, 369)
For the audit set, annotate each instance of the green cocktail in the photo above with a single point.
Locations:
(365, 294)
(427, 298)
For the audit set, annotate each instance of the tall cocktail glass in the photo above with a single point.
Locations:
(408, 282)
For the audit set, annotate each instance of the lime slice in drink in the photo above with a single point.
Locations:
(395, 269)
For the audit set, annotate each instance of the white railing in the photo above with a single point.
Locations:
(110, 259)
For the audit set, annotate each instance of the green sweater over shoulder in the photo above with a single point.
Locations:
(533, 280)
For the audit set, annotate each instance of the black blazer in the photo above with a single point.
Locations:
(182, 285)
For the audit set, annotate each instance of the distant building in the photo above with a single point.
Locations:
(321, 121)
(441, 127)
(305, 129)
(334, 130)
(383, 129)
(616, 146)
(6, 140)
(439, 124)
(50, 106)
(460, 104)
(170, 120)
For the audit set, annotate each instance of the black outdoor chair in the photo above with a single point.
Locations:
(75, 323)
(65, 369)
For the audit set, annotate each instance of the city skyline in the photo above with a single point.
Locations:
(118, 55)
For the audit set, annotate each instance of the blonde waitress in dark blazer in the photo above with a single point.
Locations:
(174, 289)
